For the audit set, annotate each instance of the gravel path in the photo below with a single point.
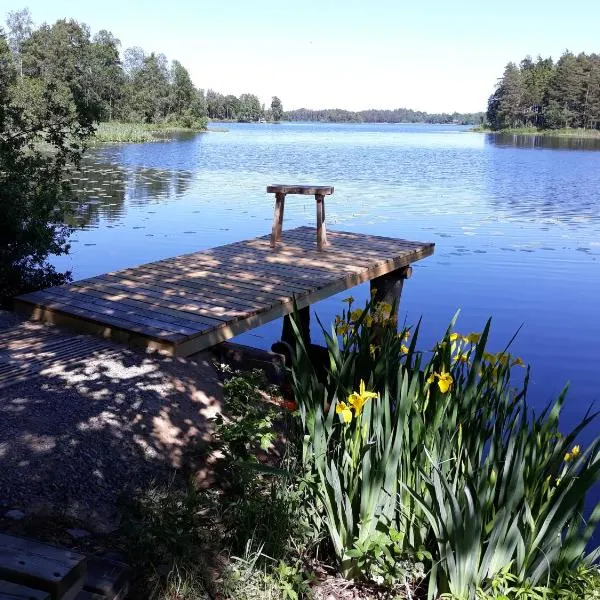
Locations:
(77, 436)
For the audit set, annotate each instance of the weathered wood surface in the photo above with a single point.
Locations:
(31, 564)
(278, 218)
(309, 190)
(13, 591)
(31, 349)
(184, 304)
(321, 229)
(105, 579)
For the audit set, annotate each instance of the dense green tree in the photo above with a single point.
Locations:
(62, 54)
(20, 26)
(109, 78)
(566, 89)
(547, 95)
(507, 107)
(216, 105)
(536, 77)
(276, 109)
(591, 102)
(250, 108)
(231, 106)
(33, 184)
(150, 90)
(182, 90)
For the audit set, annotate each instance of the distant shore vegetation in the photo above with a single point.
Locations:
(542, 96)
(398, 115)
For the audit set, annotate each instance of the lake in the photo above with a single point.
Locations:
(516, 222)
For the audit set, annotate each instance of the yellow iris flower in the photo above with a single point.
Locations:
(342, 329)
(473, 338)
(357, 401)
(576, 451)
(444, 382)
(404, 349)
(343, 409)
(454, 336)
(355, 315)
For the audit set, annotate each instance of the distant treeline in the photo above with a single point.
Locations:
(398, 115)
(88, 75)
(548, 95)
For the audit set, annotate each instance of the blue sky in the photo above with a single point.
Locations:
(430, 55)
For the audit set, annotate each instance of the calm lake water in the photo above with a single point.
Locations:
(516, 222)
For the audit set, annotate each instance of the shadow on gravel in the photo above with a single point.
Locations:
(75, 438)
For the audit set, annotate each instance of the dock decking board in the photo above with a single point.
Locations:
(184, 304)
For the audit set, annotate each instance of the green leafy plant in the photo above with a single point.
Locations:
(441, 449)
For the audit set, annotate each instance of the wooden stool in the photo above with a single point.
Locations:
(319, 192)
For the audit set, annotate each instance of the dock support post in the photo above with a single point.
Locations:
(321, 228)
(287, 334)
(388, 289)
(277, 219)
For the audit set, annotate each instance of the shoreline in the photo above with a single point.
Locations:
(127, 133)
(575, 133)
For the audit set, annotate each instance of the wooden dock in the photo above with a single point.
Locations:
(185, 304)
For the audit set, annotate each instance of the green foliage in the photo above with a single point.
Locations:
(276, 109)
(123, 132)
(545, 95)
(435, 456)
(33, 183)
(249, 424)
(177, 536)
(398, 115)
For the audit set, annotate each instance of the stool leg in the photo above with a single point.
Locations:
(277, 219)
(321, 229)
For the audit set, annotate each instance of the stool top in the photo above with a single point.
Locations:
(323, 190)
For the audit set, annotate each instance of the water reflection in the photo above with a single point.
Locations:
(549, 142)
(104, 190)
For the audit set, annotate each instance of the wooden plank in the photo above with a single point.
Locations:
(211, 285)
(192, 310)
(97, 307)
(108, 578)
(177, 317)
(113, 329)
(175, 292)
(309, 190)
(248, 273)
(40, 309)
(59, 572)
(289, 263)
(174, 274)
(13, 591)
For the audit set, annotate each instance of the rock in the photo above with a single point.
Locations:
(15, 514)
(78, 533)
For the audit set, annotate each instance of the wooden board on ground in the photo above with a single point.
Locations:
(173, 305)
(40, 566)
(106, 579)
(14, 591)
